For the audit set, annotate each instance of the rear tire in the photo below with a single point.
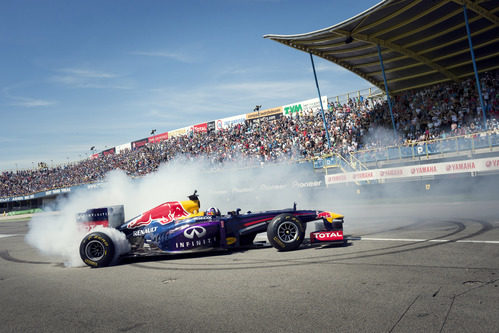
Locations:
(285, 232)
(97, 250)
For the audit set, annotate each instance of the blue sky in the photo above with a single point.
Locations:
(76, 74)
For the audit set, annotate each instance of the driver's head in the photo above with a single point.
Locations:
(213, 211)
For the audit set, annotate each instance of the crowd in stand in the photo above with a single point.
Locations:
(444, 110)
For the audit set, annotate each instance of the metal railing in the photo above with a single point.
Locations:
(471, 143)
(373, 92)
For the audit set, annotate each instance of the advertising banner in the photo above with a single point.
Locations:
(271, 117)
(200, 128)
(305, 106)
(123, 147)
(177, 132)
(230, 121)
(158, 137)
(109, 151)
(139, 143)
(264, 113)
(219, 125)
(210, 126)
(433, 169)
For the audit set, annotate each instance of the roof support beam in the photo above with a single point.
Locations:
(479, 10)
(320, 102)
(332, 59)
(404, 51)
(449, 55)
(474, 67)
(386, 18)
(410, 20)
(440, 46)
(386, 90)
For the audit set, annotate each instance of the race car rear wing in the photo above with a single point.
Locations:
(112, 216)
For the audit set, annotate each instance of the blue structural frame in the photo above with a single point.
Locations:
(386, 90)
(320, 101)
(474, 67)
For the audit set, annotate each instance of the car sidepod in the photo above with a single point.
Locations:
(193, 236)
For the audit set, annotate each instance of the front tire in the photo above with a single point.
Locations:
(97, 250)
(285, 232)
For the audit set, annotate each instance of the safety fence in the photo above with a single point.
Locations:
(367, 93)
(425, 149)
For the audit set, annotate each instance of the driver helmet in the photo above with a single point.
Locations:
(213, 211)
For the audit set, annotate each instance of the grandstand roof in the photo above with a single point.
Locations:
(422, 42)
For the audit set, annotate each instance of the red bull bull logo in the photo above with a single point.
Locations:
(162, 214)
(324, 215)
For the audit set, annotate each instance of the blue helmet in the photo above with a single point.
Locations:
(213, 211)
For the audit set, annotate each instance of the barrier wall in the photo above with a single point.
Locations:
(430, 169)
(45, 194)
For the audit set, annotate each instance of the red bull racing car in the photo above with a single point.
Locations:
(179, 227)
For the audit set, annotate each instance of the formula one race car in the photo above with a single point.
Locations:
(179, 227)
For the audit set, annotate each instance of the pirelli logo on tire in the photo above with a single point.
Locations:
(278, 241)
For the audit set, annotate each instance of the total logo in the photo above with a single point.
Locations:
(195, 232)
(326, 236)
(329, 235)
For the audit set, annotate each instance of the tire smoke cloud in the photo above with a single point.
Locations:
(227, 187)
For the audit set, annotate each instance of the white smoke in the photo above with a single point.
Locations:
(226, 188)
(251, 189)
(121, 244)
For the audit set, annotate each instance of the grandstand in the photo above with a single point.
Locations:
(436, 106)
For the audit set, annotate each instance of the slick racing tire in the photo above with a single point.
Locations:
(97, 250)
(285, 232)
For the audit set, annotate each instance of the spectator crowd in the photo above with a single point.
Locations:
(440, 111)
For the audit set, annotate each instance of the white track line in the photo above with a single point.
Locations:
(422, 240)
(4, 236)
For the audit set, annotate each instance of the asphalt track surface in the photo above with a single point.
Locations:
(407, 268)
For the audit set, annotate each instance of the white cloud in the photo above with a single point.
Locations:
(31, 102)
(88, 73)
(177, 56)
(22, 101)
(87, 78)
(211, 102)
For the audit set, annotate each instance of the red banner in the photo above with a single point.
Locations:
(201, 128)
(109, 152)
(158, 138)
